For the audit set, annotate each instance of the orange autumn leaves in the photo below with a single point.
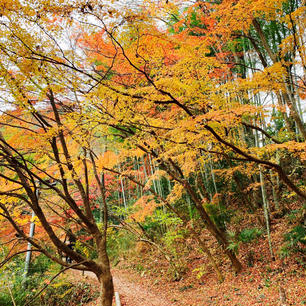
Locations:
(144, 207)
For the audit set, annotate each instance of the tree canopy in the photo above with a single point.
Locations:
(117, 115)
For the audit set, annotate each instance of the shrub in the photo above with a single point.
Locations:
(295, 241)
(249, 234)
(67, 294)
(245, 236)
(59, 293)
(119, 242)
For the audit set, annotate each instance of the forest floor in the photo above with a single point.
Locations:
(141, 281)
(247, 289)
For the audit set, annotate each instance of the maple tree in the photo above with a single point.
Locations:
(186, 101)
(47, 163)
(53, 162)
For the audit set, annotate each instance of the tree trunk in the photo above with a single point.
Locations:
(211, 259)
(214, 230)
(266, 211)
(106, 287)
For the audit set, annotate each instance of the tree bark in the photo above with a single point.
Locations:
(106, 287)
(214, 230)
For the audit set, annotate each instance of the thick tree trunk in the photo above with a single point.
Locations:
(106, 287)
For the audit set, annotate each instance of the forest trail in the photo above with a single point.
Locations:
(132, 292)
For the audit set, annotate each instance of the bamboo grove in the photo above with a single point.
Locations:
(152, 119)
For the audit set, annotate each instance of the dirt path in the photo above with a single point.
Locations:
(132, 291)
(137, 294)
